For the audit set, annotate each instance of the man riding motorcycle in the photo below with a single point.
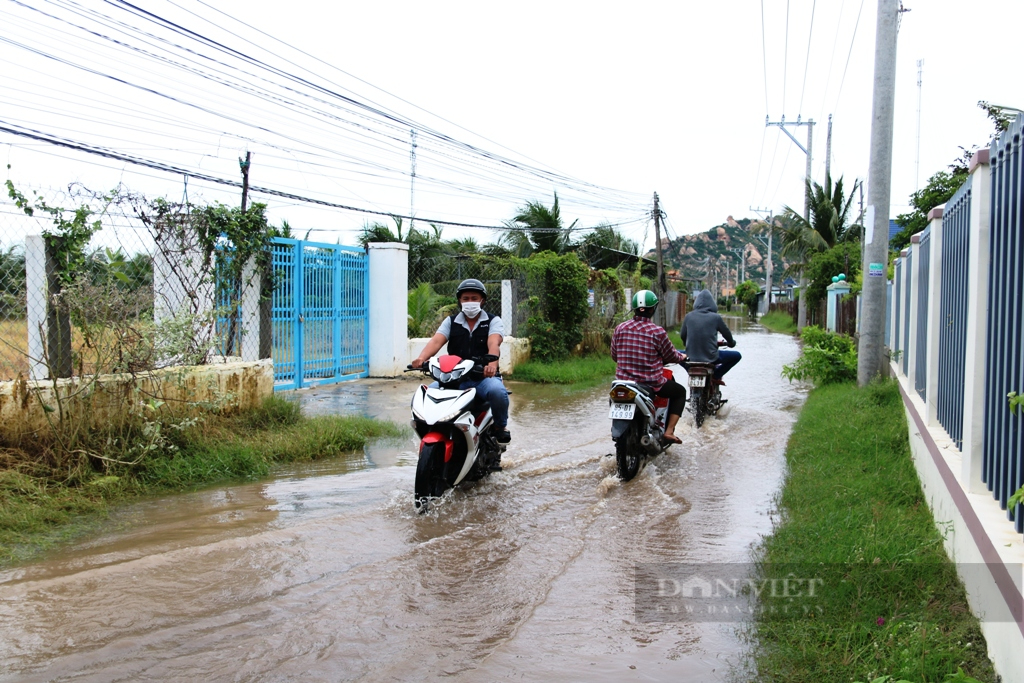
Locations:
(472, 333)
(641, 349)
(699, 332)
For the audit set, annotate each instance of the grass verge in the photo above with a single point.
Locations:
(853, 514)
(777, 321)
(585, 371)
(39, 507)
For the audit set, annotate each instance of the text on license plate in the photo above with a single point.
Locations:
(622, 411)
(697, 380)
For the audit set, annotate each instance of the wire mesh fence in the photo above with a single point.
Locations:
(100, 283)
(515, 291)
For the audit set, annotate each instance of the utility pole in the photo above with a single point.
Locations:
(871, 347)
(412, 180)
(660, 312)
(768, 267)
(244, 165)
(801, 315)
(828, 152)
(917, 157)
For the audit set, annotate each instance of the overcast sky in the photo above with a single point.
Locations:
(635, 97)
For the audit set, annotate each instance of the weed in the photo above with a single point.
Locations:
(778, 321)
(582, 371)
(853, 509)
(44, 500)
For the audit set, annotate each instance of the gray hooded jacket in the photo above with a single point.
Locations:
(701, 327)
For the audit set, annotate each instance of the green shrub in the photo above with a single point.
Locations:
(827, 358)
(556, 326)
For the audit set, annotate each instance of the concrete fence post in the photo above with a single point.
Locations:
(507, 315)
(977, 323)
(914, 275)
(388, 296)
(935, 321)
(36, 298)
(49, 328)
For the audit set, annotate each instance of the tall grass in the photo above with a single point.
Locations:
(40, 504)
(853, 513)
(582, 371)
(778, 321)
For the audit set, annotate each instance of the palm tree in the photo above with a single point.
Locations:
(538, 228)
(829, 224)
(606, 247)
(380, 232)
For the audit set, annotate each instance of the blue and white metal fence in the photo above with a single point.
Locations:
(923, 289)
(965, 281)
(908, 277)
(1003, 463)
(897, 290)
(956, 222)
(319, 315)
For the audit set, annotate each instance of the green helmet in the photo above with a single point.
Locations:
(645, 298)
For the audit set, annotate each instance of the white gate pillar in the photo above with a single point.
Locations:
(977, 324)
(387, 300)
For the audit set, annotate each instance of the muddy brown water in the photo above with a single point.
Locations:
(324, 573)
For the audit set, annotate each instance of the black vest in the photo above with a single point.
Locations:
(464, 344)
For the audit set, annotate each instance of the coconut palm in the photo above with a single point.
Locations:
(606, 247)
(538, 228)
(829, 224)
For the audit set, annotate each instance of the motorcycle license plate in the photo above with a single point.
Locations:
(697, 380)
(622, 411)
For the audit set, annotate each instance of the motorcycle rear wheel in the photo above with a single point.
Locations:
(430, 480)
(699, 402)
(627, 453)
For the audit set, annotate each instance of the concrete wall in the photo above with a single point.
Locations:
(232, 386)
(988, 553)
(514, 350)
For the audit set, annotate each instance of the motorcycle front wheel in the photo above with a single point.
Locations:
(430, 481)
(627, 453)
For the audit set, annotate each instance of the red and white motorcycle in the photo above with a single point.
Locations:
(456, 428)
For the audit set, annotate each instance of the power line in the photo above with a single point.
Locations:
(849, 54)
(785, 62)
(807, 61)
(764, 64)
(611, 199)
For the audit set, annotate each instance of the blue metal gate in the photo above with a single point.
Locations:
(320, 323)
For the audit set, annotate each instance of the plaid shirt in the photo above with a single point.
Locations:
(641, 348)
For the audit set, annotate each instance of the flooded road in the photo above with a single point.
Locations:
(326, 574)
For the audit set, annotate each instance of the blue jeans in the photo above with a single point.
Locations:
(492, 390)
(727, 358)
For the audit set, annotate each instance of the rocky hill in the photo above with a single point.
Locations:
(700, 256)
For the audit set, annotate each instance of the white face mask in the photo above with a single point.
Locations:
(471, 309)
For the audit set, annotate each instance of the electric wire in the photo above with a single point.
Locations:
(853, 40)
(785, 62)
(609, 204)
(807, 60)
